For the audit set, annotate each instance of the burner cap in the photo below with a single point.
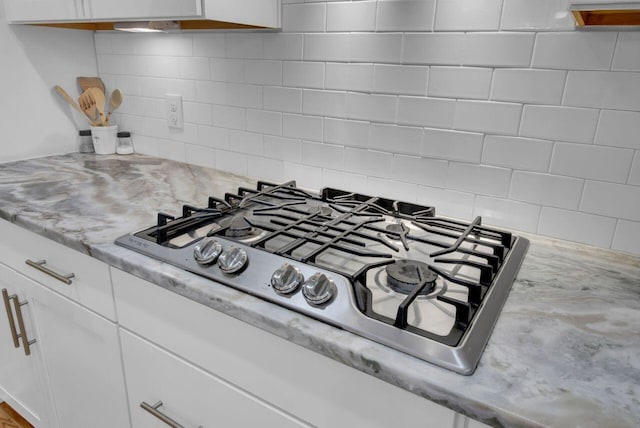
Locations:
(239, 227)
(402, 276)
(397, 229)
(323, 210)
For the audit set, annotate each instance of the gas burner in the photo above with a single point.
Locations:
(239, 228)
(323, 210)
(402, 276)
(398, 230)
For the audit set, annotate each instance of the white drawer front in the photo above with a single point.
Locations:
(90, 286)
(189, 395)
(304, 383)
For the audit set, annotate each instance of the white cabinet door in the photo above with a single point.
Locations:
(44, 10)
(22, 377)
(189, 396)
(144, 9)
(82, 355)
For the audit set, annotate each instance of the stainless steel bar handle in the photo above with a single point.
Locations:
(26, 343)
(12, 324)
(40, 265)
(158, 414)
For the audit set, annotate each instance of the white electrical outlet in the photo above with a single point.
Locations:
(174, 111)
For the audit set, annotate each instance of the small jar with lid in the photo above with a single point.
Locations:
(125, 143)
(86, 142)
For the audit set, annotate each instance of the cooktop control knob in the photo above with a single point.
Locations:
(233, 260)
(207, 251)
(286, 279)
(318, 289)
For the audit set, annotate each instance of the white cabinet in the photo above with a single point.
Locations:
(308, 386)
(45, 10)
(145, 9)
(23, 380)
(168, 386)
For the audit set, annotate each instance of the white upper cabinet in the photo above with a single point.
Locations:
(258, 13)
(145, 9)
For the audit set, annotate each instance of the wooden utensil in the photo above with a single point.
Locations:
(114, 102)
(97, 98)
(86, 104)
(73, 103)
(90, 82)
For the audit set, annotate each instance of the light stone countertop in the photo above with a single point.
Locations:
(565, 351)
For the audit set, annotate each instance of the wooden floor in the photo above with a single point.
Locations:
(10, 419)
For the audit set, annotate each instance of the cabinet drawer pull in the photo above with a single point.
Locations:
(26, 343)
(12, 324)
(40, 265)
(158, 414)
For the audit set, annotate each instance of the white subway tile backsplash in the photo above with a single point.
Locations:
(324, 103)
(594, 162)
(351, 16)
(393, 189)
(349, 77)
(229, 117)
(303, 74)
(308, 177)
(327, 47)
(304, 17)
(405, 15)
(239, 95)
(619, 128)
(265, 169)
(196, 113)
(580, 50)
(227, 70)
(519, 153)
(528, 86)
(400, 79)
(282, 46)
(212, 45)
(322, 155)
(414, 169)
(349, 133)
(506, 213)
(368, 162)
(263, 72)
(452, 145)
(210, 92)
(246, 142)
(282, 99)
(264, 122)
(434, 49)
(536, 15)
(344, 180)
(303, 127)
(394, 139)
(103, 43)
(244, 45)
(559, 123)
(546, 189)
(468, 15)
(634, 177)
(498, 49)
(172, 150)
(214, 137)
(287, 149)
(489, 117)
(609, 199)
(576, 226)
(627, 237)
(626, 56)
(436, 112)
(479, 179)
(380, 108)
(447, 202)
(375, 47)
(196, 68)
(606, 89)
(235, 163)
(460, 82)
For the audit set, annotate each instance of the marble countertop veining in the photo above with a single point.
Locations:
(565, 351)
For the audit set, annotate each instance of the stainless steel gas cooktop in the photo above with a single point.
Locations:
(387, 270)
